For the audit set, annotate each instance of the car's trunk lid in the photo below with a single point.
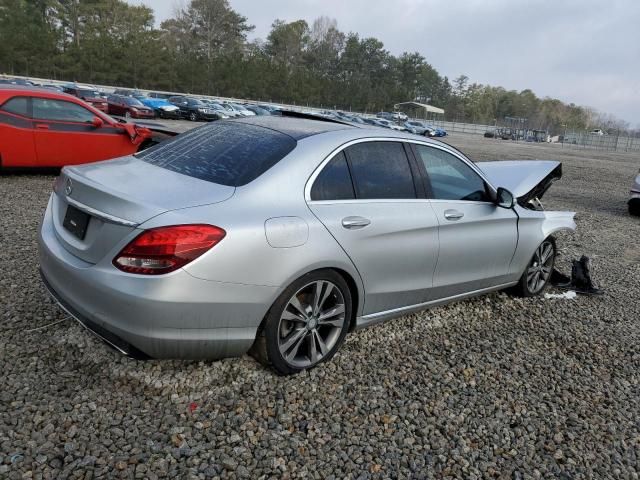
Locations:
(525, 179)
(118, 196)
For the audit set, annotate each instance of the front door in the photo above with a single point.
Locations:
(477, 238)
(368, 199)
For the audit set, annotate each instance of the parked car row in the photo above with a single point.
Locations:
(188, 107)
(394, 121)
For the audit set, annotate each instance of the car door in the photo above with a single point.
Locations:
(17, 148)
(64, 135)
(369, 199)
(477, 238)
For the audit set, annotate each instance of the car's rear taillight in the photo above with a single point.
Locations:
(165, 249)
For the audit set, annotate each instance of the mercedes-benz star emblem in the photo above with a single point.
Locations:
(68, 187)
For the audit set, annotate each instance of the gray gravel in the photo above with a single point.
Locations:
(494, 387)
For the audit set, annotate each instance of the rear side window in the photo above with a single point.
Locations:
(226, 153)
(17, 105)
(334, 182)
(381, 170)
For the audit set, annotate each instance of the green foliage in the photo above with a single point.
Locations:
(204, 49)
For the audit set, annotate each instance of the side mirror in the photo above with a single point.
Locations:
(97, 122)
(504, 198)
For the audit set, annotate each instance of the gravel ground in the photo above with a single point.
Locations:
(494, 387)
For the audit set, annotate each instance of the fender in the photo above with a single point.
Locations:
(557, 222)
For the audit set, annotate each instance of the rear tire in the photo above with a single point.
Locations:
(634, 208)
(306, 325)
(536, 276)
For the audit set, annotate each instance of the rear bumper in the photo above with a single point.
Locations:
(169, 316)
(109, 338)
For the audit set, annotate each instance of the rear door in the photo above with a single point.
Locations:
(368, 198)
(17, 147)
(477, 238)
(64, 135)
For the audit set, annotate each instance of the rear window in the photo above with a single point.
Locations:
(227, 153)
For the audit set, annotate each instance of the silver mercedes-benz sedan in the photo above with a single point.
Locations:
(280, 235)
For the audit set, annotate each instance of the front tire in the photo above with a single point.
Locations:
(193, 116)
(307, 324)
(634, 207)
(536, 276)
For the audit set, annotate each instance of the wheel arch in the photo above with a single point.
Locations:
(355, 289)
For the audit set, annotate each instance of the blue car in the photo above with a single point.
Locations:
(161, 107)
(439, 132)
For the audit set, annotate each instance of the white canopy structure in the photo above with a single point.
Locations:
(421, 107)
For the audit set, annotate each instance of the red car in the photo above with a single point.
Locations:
(44, 128)
(128, 107)
(89, 95)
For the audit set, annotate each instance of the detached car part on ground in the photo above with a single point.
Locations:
(43, 128)
(634, 201)
(281, 235)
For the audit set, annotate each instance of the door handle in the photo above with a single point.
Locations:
(353, 223)
(42, 126)
(453, 215)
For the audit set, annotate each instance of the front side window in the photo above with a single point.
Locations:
(60, 110)
(450, 177)
(334, 182)
(17, 106)
(381, 170)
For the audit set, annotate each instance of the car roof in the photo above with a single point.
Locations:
(297, 128)
(7, 91)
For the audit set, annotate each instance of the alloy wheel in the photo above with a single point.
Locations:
(539, 270)
(311, 324)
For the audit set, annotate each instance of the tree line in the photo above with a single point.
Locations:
(204, 49)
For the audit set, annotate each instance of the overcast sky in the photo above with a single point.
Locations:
(581, 51)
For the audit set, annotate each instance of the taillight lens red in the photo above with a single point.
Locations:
(165, 249)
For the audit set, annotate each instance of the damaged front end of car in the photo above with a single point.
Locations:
(528, 181)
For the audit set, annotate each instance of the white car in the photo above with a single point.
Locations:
(240, 109)
(597, 131)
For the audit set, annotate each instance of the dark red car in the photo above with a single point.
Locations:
(128, 107)
(89, 95)
(44, 128)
